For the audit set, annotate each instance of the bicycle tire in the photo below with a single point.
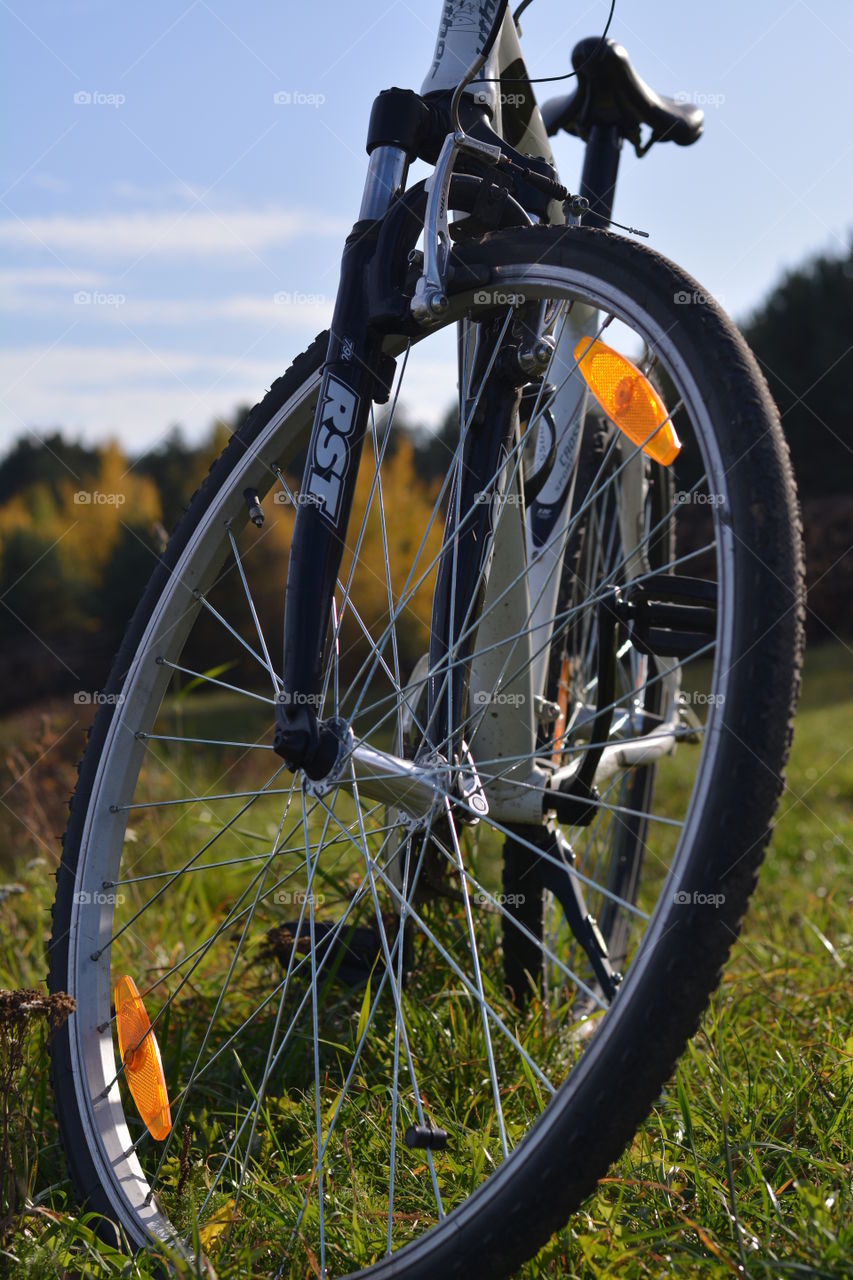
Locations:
(618, 1077)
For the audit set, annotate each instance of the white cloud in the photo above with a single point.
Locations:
(130, 392)
(13, 278)
(136, 392)
(195, 232)
(111, 305)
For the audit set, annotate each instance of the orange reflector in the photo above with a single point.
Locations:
(628, 399)
(140, 1054)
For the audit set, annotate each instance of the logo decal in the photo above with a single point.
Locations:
(459, 18)
(330, 453)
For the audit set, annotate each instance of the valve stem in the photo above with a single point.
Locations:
(253, 502)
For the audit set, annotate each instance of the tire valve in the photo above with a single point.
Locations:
(256, 511)
(421, 1135)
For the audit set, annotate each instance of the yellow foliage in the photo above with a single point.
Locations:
(94, 515)
(86, 520)
(408, 504)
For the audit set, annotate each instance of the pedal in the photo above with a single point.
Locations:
(668, 615)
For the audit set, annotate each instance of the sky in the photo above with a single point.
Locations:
(177, 179)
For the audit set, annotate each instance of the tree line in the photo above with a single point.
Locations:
(81, 526)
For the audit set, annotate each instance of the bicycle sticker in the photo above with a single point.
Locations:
(330, 450)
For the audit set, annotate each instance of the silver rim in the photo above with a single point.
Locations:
(102, 1102)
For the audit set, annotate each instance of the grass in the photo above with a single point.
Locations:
(744, 1167)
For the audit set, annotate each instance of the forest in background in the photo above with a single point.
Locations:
(81, 527)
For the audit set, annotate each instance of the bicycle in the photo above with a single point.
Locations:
(413, 972)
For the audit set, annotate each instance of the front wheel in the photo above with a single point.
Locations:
(356, 1084)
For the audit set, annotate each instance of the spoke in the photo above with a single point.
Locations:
(204, 799)
(203, 947)
(220, 999)
(500, 909)
(548, 857)
(268, 661)
(233, 917)
(564, 618)
(637, 813)
(474, 622)
(388, 587)
(191, 861)
(578, 749)
(601, 825)
(336, 651)
(315, 1026)
(202, 866)
(508, 763)
(328, 950)
(227, 625)
(336, 621)
(222, 684)
(408, 590)
(203, 742)
(466, 982)
(292, 968)
(551, 400)
(592, 495)
(395, 1082)
(538, 408)
(673, 564)
(442, 950)
(396, 950)
(475, 957)
(161, 760)
(400, 1022)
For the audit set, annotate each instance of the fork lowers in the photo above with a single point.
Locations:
(355, 374)
(305, 742)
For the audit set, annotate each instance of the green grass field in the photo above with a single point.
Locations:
(745, 1165)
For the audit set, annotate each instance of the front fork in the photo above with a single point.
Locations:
(355, 374)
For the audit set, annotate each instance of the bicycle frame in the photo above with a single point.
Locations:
(528, 541)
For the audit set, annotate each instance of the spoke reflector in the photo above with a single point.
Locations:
(628, 399)
(140, 1053)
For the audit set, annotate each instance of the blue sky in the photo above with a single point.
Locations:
(147, 168)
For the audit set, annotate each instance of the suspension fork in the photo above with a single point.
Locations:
(355, 373)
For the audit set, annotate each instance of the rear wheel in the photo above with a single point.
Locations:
(326, 980)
